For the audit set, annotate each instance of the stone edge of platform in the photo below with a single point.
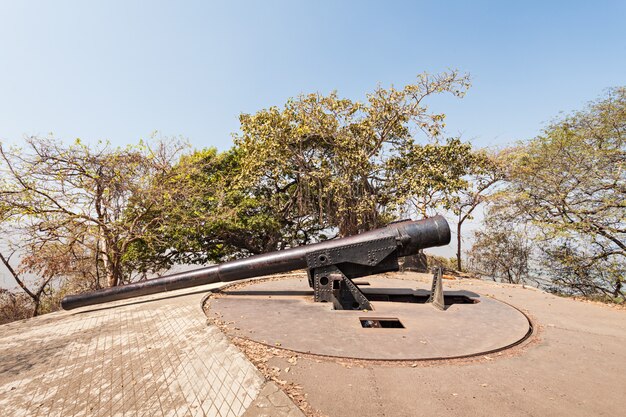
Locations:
(271, 401)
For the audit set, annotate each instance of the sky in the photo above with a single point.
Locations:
(122, 70)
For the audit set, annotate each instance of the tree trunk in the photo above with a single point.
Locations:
(112, 270)
(111, 264)
(36, 309)
(618, 288)
(35, 297)
(458, 246)
(114, 274)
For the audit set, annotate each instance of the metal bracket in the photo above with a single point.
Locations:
(367, 254)
(331, 285)
(331, 271)
(436, 291)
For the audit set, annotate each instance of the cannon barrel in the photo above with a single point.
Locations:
(410, 237)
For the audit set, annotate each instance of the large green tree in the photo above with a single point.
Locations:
(351, 165)
(318, 166)
(212, 215)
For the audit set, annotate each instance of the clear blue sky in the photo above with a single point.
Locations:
(119, 70)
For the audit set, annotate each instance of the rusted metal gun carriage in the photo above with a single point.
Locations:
(331, 265)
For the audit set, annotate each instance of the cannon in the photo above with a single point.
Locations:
(331, 265)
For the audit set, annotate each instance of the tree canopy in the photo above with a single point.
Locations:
(316, 167)
(353, 165)
(569, 184)
(76, 210)
(211, 215)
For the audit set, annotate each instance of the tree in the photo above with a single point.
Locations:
(570, 185)
(14, 306)
(319, 166)
(487, 173)
(501, 249)
(212, 215)
(349, 165)
(18, 305)
(76, 210)
(430, 177)
(572, 271)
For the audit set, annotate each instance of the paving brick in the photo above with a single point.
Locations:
(156, 358)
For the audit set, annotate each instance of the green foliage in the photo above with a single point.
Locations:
(430, 177)
(338, 163)
(569, 184)
(211, 215)
(445, 263)
(319, 164)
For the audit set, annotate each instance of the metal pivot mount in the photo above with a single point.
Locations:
(331, 285)
(331, 271)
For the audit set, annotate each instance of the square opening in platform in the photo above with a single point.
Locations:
(381, 323)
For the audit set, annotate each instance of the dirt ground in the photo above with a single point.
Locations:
(573, 365)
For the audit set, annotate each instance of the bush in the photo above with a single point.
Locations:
(14, 306)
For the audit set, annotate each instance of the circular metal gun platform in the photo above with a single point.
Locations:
(402, 325)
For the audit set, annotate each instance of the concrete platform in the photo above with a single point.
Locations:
(150, 356)
(157, 356)
(282, 313)
(573, 367)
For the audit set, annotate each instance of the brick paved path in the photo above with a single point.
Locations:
(156, 358)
